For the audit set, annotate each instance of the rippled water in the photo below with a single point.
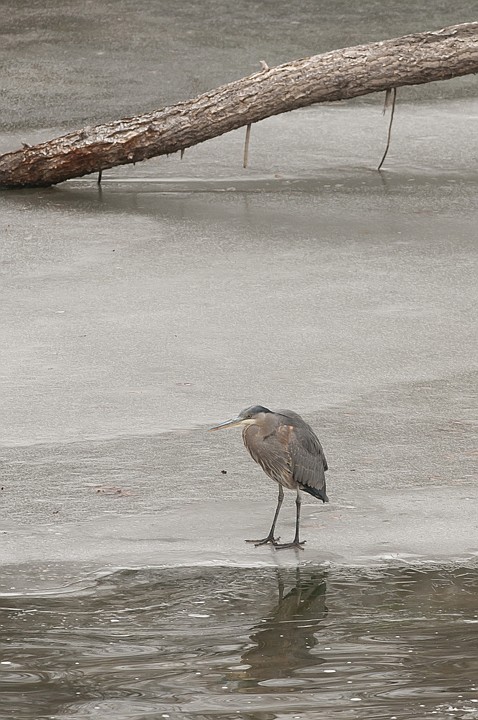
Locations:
(248, 643)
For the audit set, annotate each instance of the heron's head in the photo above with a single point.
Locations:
(250, 416)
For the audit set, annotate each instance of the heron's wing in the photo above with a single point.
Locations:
(304, 434)
(308, 461)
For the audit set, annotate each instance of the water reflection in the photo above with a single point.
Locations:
(255, 643)
(282, 641)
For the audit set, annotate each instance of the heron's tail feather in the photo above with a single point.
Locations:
(316, 492)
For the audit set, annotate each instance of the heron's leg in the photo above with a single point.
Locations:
(276, 514)
(298, 501)
(296, 542)
(270, 538)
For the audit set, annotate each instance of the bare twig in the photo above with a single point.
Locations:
(386, 104)
(393, 93)
(246, 146)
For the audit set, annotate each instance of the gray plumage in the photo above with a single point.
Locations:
(288, 451)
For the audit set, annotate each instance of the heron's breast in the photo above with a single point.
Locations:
(271, 455)
(278, 469)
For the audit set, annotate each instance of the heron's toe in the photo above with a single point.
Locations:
(265, 541)
(286, 546)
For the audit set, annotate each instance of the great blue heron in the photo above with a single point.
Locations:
(289, 451)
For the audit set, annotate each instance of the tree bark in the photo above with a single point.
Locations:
(336, 75)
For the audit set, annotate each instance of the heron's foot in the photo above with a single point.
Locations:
(296, 544)
(265, 541)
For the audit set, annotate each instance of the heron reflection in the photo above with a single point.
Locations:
(281, 643)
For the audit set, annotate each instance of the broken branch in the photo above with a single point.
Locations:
(336, 75)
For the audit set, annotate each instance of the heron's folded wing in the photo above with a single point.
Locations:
(304, 434)
(308, 461)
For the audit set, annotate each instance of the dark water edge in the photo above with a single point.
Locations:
(258, 643)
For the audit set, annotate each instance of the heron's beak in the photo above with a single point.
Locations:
(228, 423)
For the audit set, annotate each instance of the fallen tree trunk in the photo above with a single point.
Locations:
(337, 75)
